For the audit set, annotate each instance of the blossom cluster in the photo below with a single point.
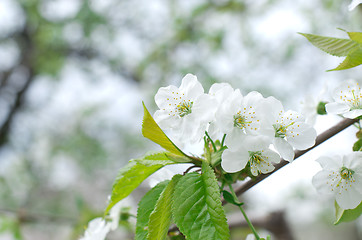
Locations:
(250, 123)
(341, 176)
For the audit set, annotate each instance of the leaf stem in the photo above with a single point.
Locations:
(244, 214)
(212, 142)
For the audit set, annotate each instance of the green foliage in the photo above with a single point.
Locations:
(160, 218)
(321, 108)
(197, 208)
(145, 208)
(357, 146)
(349, 48)
(152, 131)
(12, 226)
(133, 174)
(230, 199)
(343, 215)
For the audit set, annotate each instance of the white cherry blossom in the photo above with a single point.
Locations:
(98, 228)
(348, 100)
(341, 177)
(253, 150)
(186, 110)
(354, 4)
(239, 116)
(250, 237)
(290, 130)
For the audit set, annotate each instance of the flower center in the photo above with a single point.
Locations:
(346, 173)
(356, 101)
(281, 130)
(240, 121)
(256, 157)
(184, 108)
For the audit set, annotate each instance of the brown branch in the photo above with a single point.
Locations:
(26, 61)
(320, 139)
(25, 216)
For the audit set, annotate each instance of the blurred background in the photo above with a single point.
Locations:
(73, 75)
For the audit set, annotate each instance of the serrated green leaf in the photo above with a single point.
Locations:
(353, 59)
(347, 215)
(160, 218)
(145, 208)
(152, 131)
(356, 36)
(335, 46)
(197, 208)
(134, 173)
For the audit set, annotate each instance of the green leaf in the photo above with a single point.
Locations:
(335, 46)
(152, 131)
(134, 173)
(351, 48)
(160, 218)
(347, 215)
(357, 146)
(356, 36)
(145, 208)
(353, 59)
(230, 199)
(197, 208)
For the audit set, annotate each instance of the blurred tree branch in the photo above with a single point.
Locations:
(9, 86)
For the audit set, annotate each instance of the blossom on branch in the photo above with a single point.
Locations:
(186, 110)
(341, 177)
(253, 150)
(348, 100)
(240, 116)
(290, 130)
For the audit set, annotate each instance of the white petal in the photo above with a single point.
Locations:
(272, 107)
(166, 96)
(256, 143)
(97, 230)
(330, 163)
(303, 140)
(337, 108)
(284, 148)
(221, 91)
(165, 120)
(322, 181)
(234, 161)
(292, 116)
(204, 108)
(348, 199)
(235, 139)
(354, 4)
(191, 87)
(353, 114)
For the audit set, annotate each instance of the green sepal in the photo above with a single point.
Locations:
(347, 215)
(134, 173)
(146, 207)
(160, 218)
(357, 146)
(321, 108)
(197, 209)
(230, 199)
(152, 131)
(216, 156)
